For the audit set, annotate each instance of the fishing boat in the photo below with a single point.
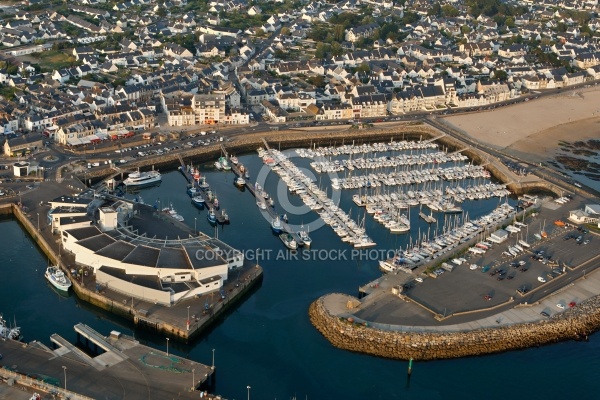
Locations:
(211, 217)
(198, 201)
(57, 278)
(6, 332)
(138, 179)
(224, 163)
(240, 182)
(289, 241)
(193, 191)
(225, 216)
(170, 211)
(203, 184)
(303, 235)
(276, 225)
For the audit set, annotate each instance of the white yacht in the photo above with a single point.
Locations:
(138, 178)
(58, 279)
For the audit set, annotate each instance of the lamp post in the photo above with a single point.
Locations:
(188, 319)
(38, 220)
(65, 371)
(193, 379)
(248, 387)
(213, 350)
(167, 346)
(195, 231)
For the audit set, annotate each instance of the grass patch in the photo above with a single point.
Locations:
(55, 59)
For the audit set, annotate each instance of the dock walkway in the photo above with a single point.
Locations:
(209, 203)
(258, 195)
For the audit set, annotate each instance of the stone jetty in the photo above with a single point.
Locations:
(346, 333)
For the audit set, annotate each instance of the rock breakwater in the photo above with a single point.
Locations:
(572, 324)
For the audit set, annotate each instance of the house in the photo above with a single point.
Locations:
(589, 215)
(355, 33)
(23, 144)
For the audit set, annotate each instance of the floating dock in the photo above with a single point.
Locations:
(259, 198)
(201, 192)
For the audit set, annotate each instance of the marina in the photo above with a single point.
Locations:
(298, 281)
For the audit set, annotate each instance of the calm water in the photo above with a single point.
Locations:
(268, 341)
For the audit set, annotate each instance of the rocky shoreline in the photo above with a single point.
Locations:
(572, 324)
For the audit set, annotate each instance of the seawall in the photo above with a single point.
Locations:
(249, 142)
(573, 324)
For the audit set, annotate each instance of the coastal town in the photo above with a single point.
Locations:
(380, 120)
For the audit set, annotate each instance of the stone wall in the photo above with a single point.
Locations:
(575, 323)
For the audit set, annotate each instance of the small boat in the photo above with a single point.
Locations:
(224, 163)
(284, 218)
(225, 216)
(198, 201)
(240, 182)
(289, 241)
(192, 191)
(216, 202)
(211, 217)
(276, 225)
(218, 165)
(247, 174)
(58, 279)
(6, 332)
(234, 160)
(172, 213)
(303, 235)
(203, 184)
(261, 205)
(272, 202)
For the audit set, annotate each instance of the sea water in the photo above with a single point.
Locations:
(267, 342)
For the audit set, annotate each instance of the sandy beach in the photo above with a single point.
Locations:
(535, 128)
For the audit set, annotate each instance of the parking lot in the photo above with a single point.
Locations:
(500, 276)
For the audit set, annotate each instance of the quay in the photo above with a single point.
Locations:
(112, 367)
(183, 320)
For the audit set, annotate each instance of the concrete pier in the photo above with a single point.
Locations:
(169, 321)
(127, 370)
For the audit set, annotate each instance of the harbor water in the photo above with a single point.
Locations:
(267, 342)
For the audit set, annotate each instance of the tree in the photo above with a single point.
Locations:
(339, 33)
(285, 31)
(435, 10)
(317, 80)
(321, 50)
(161, 12)
(500, 75)
(465, 29)
(449, 11)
